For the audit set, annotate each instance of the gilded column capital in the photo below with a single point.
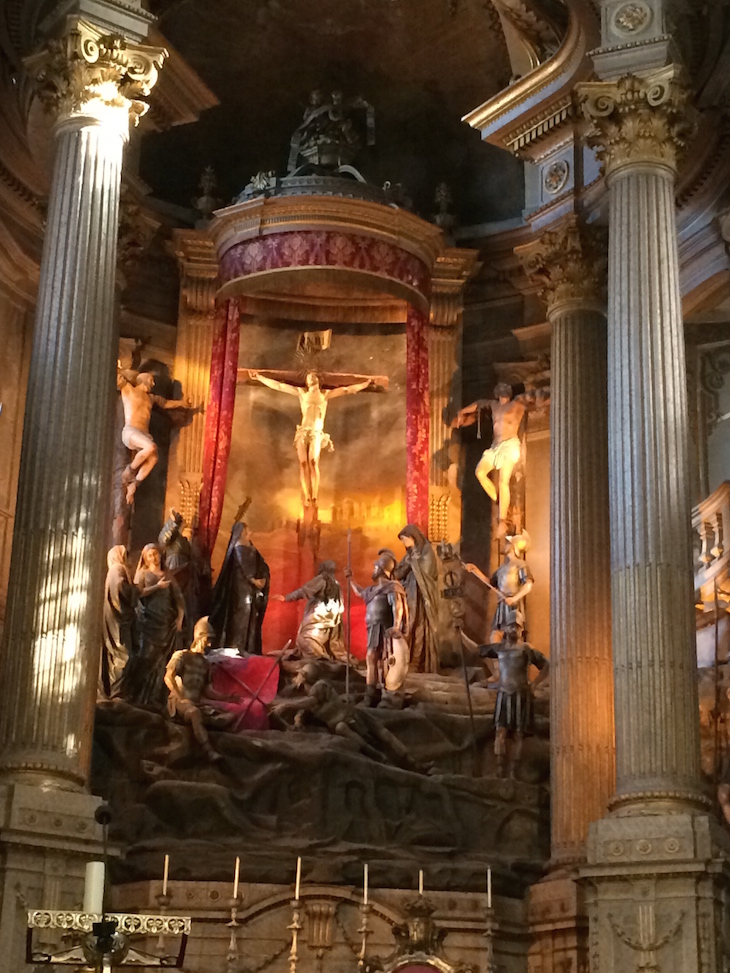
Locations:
(638, 120)
(453, 268)
(86, 73)
(568, 265)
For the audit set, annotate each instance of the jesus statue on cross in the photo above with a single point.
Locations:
(310, 438)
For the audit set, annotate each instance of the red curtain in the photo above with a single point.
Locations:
(219, 419)
(417, 419)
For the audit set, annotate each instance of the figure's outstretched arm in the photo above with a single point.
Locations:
(348, 389)
(468, 415)
(273, 384)
(163, 403)
(522, 592)
(353, 584)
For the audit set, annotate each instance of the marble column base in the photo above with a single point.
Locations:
(558, 924)
(46, 838)
(654, 888)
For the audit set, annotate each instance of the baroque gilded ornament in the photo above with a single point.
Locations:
(568, 264)
(638, 120)
(87, 73)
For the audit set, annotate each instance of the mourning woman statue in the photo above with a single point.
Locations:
(120, 600)
(418, 572)
(159, 619)
(240, 595)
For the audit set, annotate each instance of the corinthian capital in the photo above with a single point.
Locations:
(87, 73)
(638, 120)
(568, 264)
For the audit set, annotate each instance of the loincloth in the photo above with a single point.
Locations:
(506, 453)
(136, 439)
(306, 436)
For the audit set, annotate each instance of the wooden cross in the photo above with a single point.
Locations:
(327, 380)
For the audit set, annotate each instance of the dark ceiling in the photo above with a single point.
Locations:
(422, 64)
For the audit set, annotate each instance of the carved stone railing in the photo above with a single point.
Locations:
(710, 521)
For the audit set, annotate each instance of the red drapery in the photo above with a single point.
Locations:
(219, 419)
(417, 419)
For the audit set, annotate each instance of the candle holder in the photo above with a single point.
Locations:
(490, 926)
(295, 926)
(364, 932)
(104, 942)
(234, 904)
(164, 899)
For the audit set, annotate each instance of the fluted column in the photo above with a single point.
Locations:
(640, 125)
(195, 326)
(49, 662)
(568, 265)
(453, 269)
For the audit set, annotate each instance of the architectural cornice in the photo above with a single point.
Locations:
(541, 100)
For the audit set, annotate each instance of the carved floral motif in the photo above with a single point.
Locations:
(638, 120)
(556, 176)
(567, 263)
(632, 18)
(85, 72)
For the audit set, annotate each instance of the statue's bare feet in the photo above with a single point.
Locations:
(131, 490)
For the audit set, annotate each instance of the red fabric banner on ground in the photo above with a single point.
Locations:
(255, 679)
(417, 419)
(219, 420)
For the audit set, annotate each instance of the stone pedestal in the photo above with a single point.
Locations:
(653, 874)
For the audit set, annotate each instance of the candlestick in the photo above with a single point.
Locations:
(295, 927)
(489, 888)
(165, 873)
(364, 931)
(94, 888)
(299, 878)
(420, 882)
(235, 878)
(365, 884)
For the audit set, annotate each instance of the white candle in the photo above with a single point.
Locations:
(365, 884)
(299, 878)
(235, 877)
(489, 888)
(94, 888)
(165, 873)
(420, 882)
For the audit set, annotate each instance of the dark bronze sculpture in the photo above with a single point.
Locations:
(241, 594)
(323, 703)
(320, 631)
(191, 696)
(386, 617)
(120, 601)
(513, 711)
(418, 572)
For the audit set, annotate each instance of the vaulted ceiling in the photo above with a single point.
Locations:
(421, 63)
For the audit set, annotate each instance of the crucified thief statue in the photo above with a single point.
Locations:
(137, 400)
(508, 411)
(310, 438)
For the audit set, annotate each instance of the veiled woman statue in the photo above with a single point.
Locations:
(241, 594)
(120, 600)
(418, 572)
(160, 616)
